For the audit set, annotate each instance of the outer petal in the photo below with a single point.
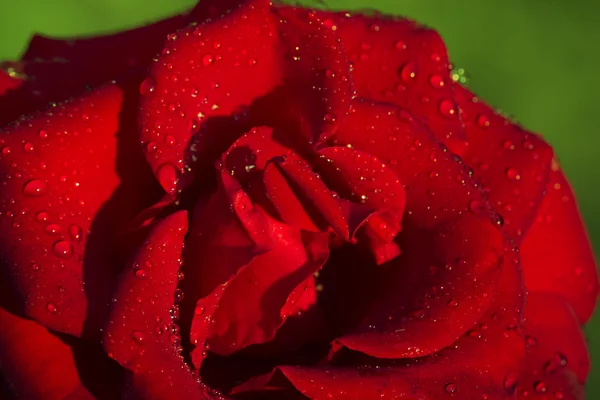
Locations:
(399, 61)
(440, 285)
(557, 257)
(69, 179)
(512, 165)
(140, 334)
(203, 73)
(478, 366)
(557, 357)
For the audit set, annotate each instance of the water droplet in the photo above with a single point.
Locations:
(147, 86)
(539, 387)
(168, 177)
(400, 45)
(437, 81)
(178, 295)
(151, 147)
(137, 337)
(169, 140)
(140, 273)
(5, 150)
(75, 232)
(51, 307)
(208, 59)
(28, 147)
(62, 249)
(52, 229)
(447, 108)
(408, 72)
(476, 206)
(450, 388)
(34, 188)
(510, 382)
(513, 174)
(43, 134)
(42, 216)
(483, 121)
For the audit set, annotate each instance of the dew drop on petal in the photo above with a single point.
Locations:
(52, 229)
(408, 71)
(168, 177)
(75, 232)
(147, 86)
(62, 249)
(28, 147)
(51, 307)
(436, 81)
(450, 388)
(34, 188)
(447, 108)
(42, 216)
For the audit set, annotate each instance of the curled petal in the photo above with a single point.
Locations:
(362, 178)
(557, 256)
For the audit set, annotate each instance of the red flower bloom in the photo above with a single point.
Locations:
(263, 201)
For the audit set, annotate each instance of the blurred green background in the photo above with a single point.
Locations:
(535, 59)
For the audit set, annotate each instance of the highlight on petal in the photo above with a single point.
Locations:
(141, 333)
(399, 61)
(511, 164)
(557, 256)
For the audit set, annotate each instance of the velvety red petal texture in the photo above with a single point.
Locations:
(478, 366)
(557, 357)
(557, 256)
(511, 164)
(399, 61)
(66, 189)
(203, 73)
(140, 333)
(440, 285)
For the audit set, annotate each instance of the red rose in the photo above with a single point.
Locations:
(356, 224)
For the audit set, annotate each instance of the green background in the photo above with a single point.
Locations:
(536, 59)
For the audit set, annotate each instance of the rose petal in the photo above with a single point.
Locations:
(451, 250)
(316, 88)
(140, 334)
(399, 61)
(27, 374)
(26, 351)
(511, 164)
(362, 178)
(8, 82)
(557, 256)
(557, 357)
(56, 69)
(245, 298)
(477, 366)
(68, 184)
(202, 73)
